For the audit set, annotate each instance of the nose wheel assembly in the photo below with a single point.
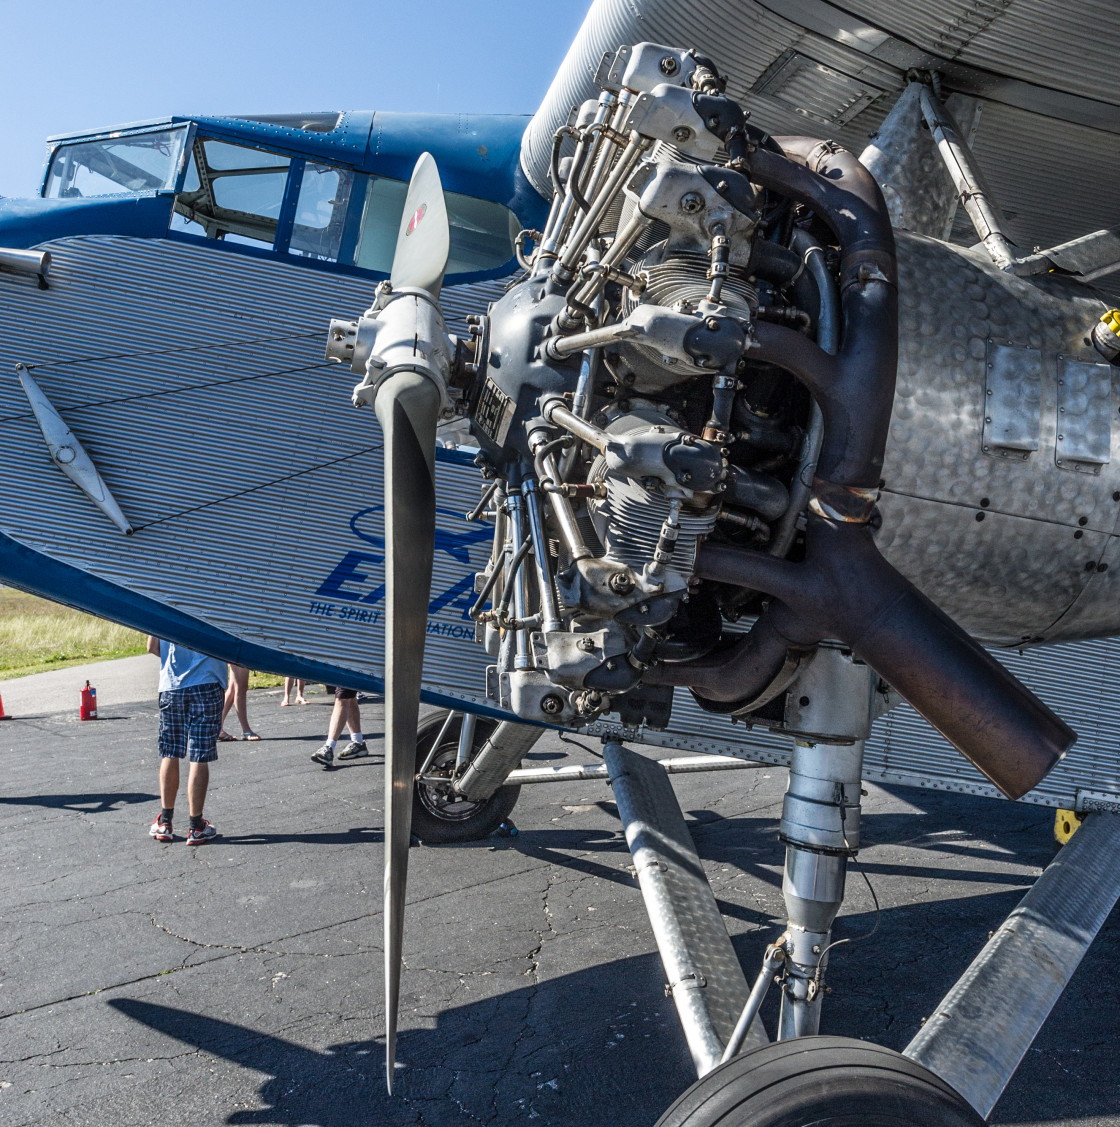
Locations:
(950, 1075)
(445, 743)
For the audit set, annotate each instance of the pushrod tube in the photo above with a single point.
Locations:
(578, 241)
(561, 506)
(519, 577)
(549, 610)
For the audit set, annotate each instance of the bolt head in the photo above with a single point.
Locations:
(668, 65)
(551, 705)
(682, 133)
(692, 202)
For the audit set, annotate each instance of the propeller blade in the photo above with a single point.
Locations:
(407, 407)
(424, 239)
(407, 404)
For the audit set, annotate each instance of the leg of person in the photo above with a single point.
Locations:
(301, 684)
(168, 783)
(202, 750)
(285, 700)
(172, 747)
(239, 679)
(356, 748)
(227, 704)
(325, 754)
(198, 781)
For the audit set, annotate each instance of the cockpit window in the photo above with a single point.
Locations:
(232, 192)
(482, 232)
(139, 162)
(321, 207)
(311, 210)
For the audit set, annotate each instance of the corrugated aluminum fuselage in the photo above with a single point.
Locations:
(194, 379)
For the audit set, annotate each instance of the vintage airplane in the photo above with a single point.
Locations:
(790, 429)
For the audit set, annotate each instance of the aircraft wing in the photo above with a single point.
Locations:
(1044, 76)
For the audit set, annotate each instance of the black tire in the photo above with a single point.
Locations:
(822, 1082)
(438, 816)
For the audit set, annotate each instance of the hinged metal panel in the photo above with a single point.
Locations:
(1084, 439)
(1012, 401)
(815, 90)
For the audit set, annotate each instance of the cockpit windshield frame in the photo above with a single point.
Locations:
(103, 164)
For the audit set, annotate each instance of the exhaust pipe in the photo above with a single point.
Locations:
(844, 589)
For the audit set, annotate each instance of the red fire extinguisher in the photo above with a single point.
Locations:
(89, 703)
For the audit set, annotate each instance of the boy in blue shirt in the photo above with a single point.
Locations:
(192, 690)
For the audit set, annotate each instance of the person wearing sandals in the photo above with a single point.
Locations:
(300, 684)
(344, 714)
(191, 690)
(237, 697)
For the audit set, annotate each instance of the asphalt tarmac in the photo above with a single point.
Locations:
(240, 982)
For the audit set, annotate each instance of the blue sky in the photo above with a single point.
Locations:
(85, 65)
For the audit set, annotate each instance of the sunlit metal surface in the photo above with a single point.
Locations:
(1047, 72)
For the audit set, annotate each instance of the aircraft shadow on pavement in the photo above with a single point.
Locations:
(602, 1045)
(521, 1055)
(84, 803)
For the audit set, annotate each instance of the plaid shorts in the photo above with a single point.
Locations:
(189, 720)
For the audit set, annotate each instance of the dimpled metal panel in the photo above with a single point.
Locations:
(1041, 525)
(1084, 422)
(908, 168)
(1013, 400)
(1004, 579)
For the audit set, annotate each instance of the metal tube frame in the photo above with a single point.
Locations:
(967, 178)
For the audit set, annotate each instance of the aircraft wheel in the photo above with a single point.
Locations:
(823, 1082)
(439, 816)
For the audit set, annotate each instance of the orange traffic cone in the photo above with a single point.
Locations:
(3, 714)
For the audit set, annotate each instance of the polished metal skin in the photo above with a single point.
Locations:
(1017, 546)
(820, 827)
(908, 168)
